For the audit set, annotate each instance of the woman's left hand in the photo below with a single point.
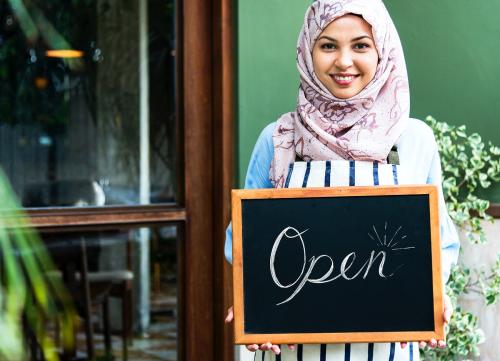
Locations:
(447, 312)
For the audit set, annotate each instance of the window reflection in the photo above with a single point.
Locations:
(70, 101)
(132, 296)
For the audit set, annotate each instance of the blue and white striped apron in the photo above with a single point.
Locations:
(333, 174)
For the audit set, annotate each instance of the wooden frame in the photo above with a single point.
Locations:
(238, 292)
(205, 115)
(494, 210)
(81, 217)
(224, 113)
(208, 133)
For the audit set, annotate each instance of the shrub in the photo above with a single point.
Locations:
(469, 165)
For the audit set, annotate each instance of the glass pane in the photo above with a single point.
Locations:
(143, 260)
(87, 101)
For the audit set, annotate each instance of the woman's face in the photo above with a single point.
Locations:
(344, 56)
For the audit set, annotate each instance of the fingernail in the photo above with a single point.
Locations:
(403, 345)
(441, 344)
(292, 348)
(421, 344)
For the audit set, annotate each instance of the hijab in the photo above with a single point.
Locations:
(364, 127)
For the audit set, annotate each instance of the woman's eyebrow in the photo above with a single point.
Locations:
(361, 37)
(352, 40)
(327, 37)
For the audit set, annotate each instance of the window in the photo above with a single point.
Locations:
(114, 140)
(88, 101)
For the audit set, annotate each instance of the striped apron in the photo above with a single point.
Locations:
(334, 174)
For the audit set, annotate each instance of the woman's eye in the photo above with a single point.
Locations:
(361, 46)
(328, 46)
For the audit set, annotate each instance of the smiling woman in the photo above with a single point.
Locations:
(345, 57)
(352, 108)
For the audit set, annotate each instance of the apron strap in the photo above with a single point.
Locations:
(392, 158)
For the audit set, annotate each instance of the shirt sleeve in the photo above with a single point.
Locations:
(257, 175)
(450, 244)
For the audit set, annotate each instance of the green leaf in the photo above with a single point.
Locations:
(468, 164)
(25, 292)
(474, 139)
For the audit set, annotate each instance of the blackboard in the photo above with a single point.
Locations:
(345, 264)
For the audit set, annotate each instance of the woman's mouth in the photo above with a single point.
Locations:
(344, 79)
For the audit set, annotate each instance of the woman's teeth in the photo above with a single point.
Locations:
(344, 78)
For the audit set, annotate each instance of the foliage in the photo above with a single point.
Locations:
(463, 338)
(29, 298)
(469, 165)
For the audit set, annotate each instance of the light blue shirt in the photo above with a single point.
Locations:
(418, 153)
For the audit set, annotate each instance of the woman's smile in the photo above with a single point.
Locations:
(345, 58)
(344, 80)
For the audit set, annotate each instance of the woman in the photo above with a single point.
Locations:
(353, 105)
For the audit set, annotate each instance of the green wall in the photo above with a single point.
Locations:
(452, 50)
(267, 76)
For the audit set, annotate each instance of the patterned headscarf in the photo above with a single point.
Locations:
(364, 127)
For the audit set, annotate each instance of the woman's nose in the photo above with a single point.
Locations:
(343, 60)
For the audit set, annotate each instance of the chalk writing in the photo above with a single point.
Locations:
(347, 263)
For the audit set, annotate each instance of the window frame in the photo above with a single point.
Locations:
(205, 113)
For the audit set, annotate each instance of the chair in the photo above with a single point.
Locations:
(91, 288)
(104, 285)
(88, 285)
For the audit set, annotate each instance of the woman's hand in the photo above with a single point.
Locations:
(447, 312)
(268, 346)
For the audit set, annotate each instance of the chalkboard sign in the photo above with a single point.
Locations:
(345, 264)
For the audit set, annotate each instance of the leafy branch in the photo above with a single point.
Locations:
(468, 166)
(29, 298)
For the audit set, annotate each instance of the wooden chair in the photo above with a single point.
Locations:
(104, 285)
(93, 288)
(88, 285)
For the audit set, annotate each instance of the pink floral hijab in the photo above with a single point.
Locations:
(364, 127)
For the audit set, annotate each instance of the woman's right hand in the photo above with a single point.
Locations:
(268, 346)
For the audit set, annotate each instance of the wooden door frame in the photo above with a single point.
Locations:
(208, 118)
(205, 108)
